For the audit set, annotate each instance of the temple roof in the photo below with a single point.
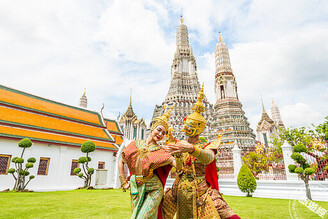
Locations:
(26, 115)
(129, 113)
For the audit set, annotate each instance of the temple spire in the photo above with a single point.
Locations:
(83, 100)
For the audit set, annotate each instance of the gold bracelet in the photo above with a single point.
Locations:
(196, 152)
(122, 178)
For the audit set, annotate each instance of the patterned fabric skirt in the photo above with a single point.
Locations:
(145, 203)
(184, 201)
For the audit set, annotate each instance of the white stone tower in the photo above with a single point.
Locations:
(229, 116)
(83, 101)
(184, 86)
(276, 115)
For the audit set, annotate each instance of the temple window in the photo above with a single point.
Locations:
(4, 163)
(101, 165)
(43, 166)
(74, 165)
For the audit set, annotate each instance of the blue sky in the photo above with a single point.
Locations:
(278, 49)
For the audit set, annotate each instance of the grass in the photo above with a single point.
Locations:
(116, 204)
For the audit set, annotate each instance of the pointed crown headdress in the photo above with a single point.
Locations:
(196, 117)
(162, 120)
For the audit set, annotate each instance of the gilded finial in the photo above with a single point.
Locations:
(130, 97)
(198, 107)
(272, 101)
(220, 36)
(84, 91)
(181, 19)
(262, 104)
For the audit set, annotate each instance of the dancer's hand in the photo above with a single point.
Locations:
(126, 186)
(180, 147)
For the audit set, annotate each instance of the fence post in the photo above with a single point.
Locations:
(237, 162)
(287, 152)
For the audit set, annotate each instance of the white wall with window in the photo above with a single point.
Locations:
(53, 166)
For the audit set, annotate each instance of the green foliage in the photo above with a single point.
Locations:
(25, 143)
(82, 160)
(256, 162)
(203, 139)
(31, 177)
(88, 146)
(326, 168)
(298, 158)
(299, 170)
(31, 160)
(77, 170)
(246, 181)
(11, 170)
(300, 148)
(19, 173)
(291, 168)
(322, 130)
(309, 171)
(19, 160)
(29, 165)
(14, 159)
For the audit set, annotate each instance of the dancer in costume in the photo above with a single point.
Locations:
(149, 166)
(195, 191)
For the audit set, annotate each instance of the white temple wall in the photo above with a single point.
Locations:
(59, 169)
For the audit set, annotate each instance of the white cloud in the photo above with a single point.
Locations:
(300, 114)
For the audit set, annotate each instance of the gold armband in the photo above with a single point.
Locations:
(122, 179)
(196, 152)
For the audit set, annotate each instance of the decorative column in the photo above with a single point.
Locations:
(237, 161)
(287, 151)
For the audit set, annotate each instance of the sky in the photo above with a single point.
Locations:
(278, 50)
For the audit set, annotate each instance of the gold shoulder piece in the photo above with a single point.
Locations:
(215, 144)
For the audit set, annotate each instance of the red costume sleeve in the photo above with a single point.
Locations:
(162, 173)
(211, 175)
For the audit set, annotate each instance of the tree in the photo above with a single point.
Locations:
(246, 181)
(86, 147)
(20, 172)
(306, 141)
(257, 161)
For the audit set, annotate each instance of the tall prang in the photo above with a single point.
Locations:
(184, 86)
(229, 115)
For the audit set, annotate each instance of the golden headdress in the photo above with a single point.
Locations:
(195, 121)
(162, 120)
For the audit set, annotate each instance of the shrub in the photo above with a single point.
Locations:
(31, 160)
(29, 165)
(82, 160)
(309, 171)
(299, 170)
(25, 143)
(19, 173)
(300, 148)
(291, 168)
(77, 170)
(246, 181)
(88, 146)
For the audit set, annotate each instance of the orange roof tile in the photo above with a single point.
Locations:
(14, 116)
(39, 104)
(14, 132)
(112, 126)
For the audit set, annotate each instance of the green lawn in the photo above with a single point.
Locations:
(116, 204)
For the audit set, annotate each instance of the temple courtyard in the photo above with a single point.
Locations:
(114, 203)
